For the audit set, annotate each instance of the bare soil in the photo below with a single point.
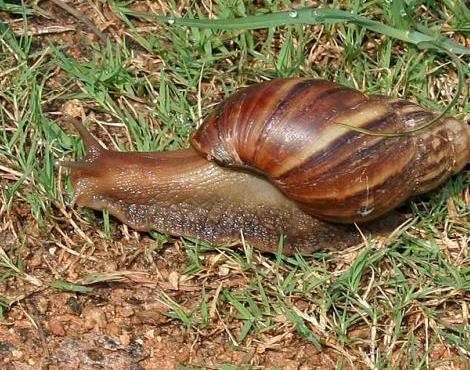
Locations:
(123, 324)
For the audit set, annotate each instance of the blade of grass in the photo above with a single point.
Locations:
(304, 16)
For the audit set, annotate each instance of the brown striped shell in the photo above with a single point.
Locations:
(288, 131)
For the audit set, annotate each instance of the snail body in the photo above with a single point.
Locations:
(279, 159)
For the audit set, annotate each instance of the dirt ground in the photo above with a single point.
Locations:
(124, 328)
(122, 323)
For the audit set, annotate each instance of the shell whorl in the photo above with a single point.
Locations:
(287, 130)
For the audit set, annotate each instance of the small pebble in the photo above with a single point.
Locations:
(16, 354)
(74, 305)
(43, 305)
(56, 328)
(173, 279)
(113, 329)
(125, 339)
(94, 316)
(125, 311)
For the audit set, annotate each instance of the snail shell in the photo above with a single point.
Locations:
(290, 131)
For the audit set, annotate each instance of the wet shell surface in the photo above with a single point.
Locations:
(289, 130)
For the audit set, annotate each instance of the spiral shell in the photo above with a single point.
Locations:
(288, 130)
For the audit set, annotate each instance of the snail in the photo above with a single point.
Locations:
(274, 163)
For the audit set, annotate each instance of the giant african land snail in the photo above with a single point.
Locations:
(273, 161)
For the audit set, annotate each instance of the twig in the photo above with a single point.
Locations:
(33, 316)
(82, 18)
